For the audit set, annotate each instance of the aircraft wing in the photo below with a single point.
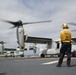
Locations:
(74, 41)
(10, 49)
(31, 39)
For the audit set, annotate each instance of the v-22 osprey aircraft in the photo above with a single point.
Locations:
(20, 32)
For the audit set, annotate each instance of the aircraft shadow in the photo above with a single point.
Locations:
(2, 73)
(73, 65)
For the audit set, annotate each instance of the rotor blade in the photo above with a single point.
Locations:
(72, 23)
(12, 27)
(11, 22)
(73, 30)
(3, 42)
(37, 22)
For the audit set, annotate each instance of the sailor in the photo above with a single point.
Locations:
(65, 38)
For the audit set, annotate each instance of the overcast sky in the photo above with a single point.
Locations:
(59, 11)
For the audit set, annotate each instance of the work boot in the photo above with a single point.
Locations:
(68, 65)
(58, 65)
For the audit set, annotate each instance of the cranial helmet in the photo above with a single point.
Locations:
(65, 26)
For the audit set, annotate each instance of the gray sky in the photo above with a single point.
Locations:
(59, 11)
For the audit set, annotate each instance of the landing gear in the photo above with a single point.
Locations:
(22, 55)
(74, 54)
(42, 55)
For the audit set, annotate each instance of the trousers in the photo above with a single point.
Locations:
(65, 49)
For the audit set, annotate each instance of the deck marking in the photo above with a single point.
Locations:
(52, 62)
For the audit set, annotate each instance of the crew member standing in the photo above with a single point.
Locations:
(65, 38)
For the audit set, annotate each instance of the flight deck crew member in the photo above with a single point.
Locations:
(65, 38)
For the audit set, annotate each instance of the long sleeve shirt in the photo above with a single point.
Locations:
(65, 35)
